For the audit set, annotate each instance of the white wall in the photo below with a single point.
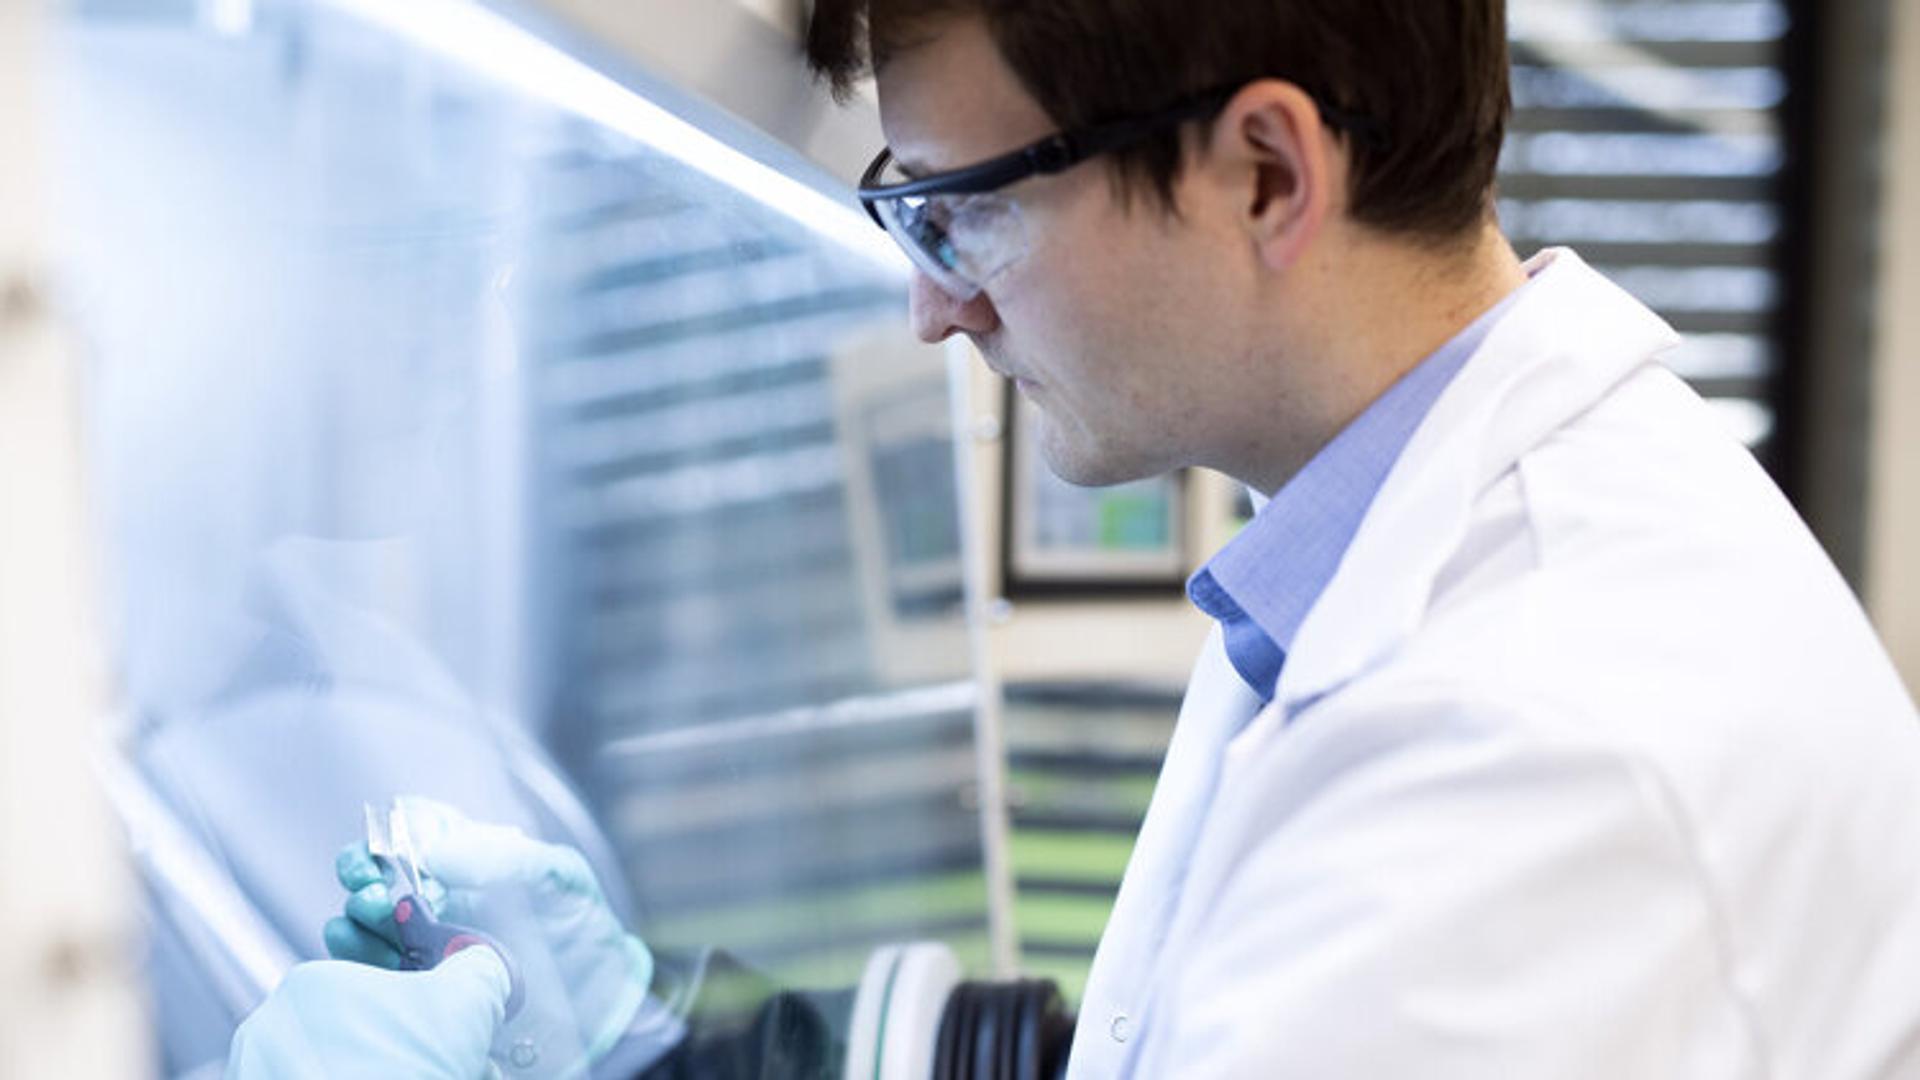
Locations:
(1893, 513)
(68, 1003)
(781, 13)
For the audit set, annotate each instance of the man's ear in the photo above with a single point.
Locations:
(1281, 161)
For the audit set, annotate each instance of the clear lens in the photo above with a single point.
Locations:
(960, 241)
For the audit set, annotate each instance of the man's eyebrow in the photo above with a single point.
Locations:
(912, 170)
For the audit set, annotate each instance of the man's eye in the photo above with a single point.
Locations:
(973, 213)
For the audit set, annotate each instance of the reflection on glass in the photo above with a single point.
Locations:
(456, 447)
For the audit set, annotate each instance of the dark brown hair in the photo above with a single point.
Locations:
(1432, 73)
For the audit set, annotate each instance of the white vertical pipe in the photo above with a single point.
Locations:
(68, 1000)
(1893, 508)
(989, 737)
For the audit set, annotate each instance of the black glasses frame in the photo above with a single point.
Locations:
(1062, 151)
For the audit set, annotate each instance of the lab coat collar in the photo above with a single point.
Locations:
(1566, 343)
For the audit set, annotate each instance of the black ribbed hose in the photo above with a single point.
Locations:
(1004, 1031)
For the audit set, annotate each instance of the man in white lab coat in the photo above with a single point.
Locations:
(1538, 737)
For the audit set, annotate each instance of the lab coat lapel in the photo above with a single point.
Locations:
(1113, 1014)
(1566, 343)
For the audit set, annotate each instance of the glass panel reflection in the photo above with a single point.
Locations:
(453, 446)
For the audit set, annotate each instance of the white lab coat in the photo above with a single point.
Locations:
(1586, 764)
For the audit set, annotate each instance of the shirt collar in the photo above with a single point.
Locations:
(1261, 586)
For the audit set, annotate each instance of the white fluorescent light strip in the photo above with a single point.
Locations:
(490, 43)
(230, 17)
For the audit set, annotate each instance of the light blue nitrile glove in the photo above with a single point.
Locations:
(557, 921)
(329, 1020)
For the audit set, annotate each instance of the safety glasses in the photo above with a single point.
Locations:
(961, 230)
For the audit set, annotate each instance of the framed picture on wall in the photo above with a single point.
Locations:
(1061, 539)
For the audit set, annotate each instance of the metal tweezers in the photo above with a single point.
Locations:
(425, 940)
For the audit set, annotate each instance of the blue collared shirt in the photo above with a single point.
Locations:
(1261, 586)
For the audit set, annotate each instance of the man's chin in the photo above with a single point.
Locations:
(1091, 470)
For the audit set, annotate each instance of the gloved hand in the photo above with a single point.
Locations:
(605, 970)
(328, 1020)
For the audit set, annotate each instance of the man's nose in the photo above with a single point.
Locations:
(937, 315)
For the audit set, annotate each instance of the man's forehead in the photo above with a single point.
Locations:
(950, 100)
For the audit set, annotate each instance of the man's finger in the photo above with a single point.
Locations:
(355, 867)
(348, 940)
(372, 908)
(477, 974)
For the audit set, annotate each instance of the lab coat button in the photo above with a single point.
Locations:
(1119, 1028)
